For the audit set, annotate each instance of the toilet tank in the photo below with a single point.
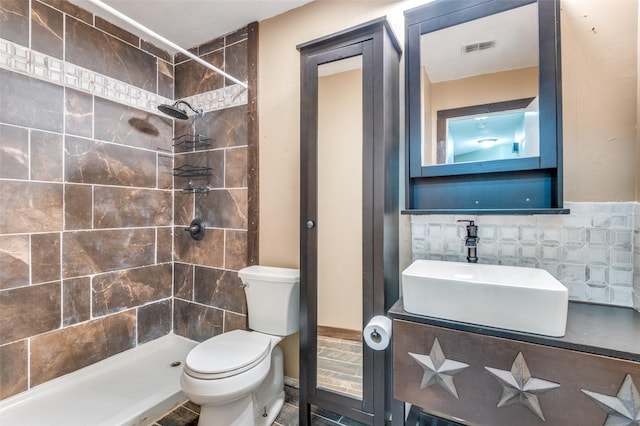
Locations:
(273, 299)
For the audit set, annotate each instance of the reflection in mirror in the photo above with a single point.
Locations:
(500, 131)
(340, 264)
(472, 77)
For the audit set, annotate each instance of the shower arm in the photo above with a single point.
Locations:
(164, 41)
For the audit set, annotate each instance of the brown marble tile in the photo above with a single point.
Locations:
(220, 289)
(116, 207)
(195, 321)
(165, 79)
(207, 252)
(183, 208)
(14, 152)
(156, 51)
(14, 375)
(226, 127)
(235, 59)
(234, 321)
(116, 31)
(179, 57)
(236, 36)
(235, 250)
(93, 252)
(223, 208)
(45, 257)
(164, 241)
(69, 349)
(154, 320)
(130, 126)
(192, 78)
(165, 171)
(98, 51)
(181, 416)
(183, 280)
(34, 103)
(121, 290)
(78, 113)
(14, 261)
(46, 156)
(210, 46)
(88, 161)
(76, 300)
(30, 207)
(78, 209)
(235, 168)
(27, 311)
(46, 30)
(14, 21)
(71, 9)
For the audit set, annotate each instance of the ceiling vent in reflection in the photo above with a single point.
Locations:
(476, 47)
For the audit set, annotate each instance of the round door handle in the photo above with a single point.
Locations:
(310, 224)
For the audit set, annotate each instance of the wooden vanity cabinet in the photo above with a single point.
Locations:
(478, 379)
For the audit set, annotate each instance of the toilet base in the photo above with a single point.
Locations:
(250, 409)
(236, 413)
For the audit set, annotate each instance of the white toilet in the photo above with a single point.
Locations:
(237, 377)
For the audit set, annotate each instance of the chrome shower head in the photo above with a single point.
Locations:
(175, 112)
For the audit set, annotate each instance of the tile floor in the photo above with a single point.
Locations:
(340, 365)
(187, 414)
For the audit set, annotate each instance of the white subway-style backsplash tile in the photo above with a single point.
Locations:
(593, 250)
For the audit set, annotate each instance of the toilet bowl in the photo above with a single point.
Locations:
(237, 377)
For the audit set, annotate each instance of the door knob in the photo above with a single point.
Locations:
(310, 224)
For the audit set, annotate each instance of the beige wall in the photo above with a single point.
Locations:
(599, 55)
(340, 200)
(599, 97)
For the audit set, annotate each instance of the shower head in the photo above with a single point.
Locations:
(175, 112)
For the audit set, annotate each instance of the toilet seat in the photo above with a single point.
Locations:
(227, 355)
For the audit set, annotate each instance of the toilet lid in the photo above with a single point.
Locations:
(227, 354)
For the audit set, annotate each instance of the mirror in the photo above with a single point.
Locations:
(340, 267)
(479, 86)
(484, 107)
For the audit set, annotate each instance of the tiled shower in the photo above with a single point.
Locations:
(93, 256)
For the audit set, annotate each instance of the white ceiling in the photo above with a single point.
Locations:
(515, 33)
(190, 23)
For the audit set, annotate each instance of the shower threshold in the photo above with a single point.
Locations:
(135, 387)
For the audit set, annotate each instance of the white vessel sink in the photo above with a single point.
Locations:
(510, 297)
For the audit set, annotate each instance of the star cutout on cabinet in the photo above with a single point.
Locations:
(438, 369)
(518, 387)
(622, 409)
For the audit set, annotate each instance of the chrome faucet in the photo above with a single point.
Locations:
(471, 241)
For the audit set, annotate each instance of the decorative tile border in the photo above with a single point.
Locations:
(20, 59)
(593, 250)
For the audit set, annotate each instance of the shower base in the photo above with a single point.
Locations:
(135, 387)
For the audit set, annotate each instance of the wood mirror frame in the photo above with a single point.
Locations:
(515, 186)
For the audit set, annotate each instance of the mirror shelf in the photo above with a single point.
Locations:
(523, 212)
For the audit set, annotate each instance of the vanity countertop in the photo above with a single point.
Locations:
(603, 330)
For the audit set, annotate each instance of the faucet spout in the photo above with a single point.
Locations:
(471, 241)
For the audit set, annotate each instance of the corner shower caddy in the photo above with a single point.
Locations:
(201, 174)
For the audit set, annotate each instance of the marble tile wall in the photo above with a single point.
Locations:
(208, 295)
(86, 217)
(591, 250)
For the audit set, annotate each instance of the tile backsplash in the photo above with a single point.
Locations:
(592, 250)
